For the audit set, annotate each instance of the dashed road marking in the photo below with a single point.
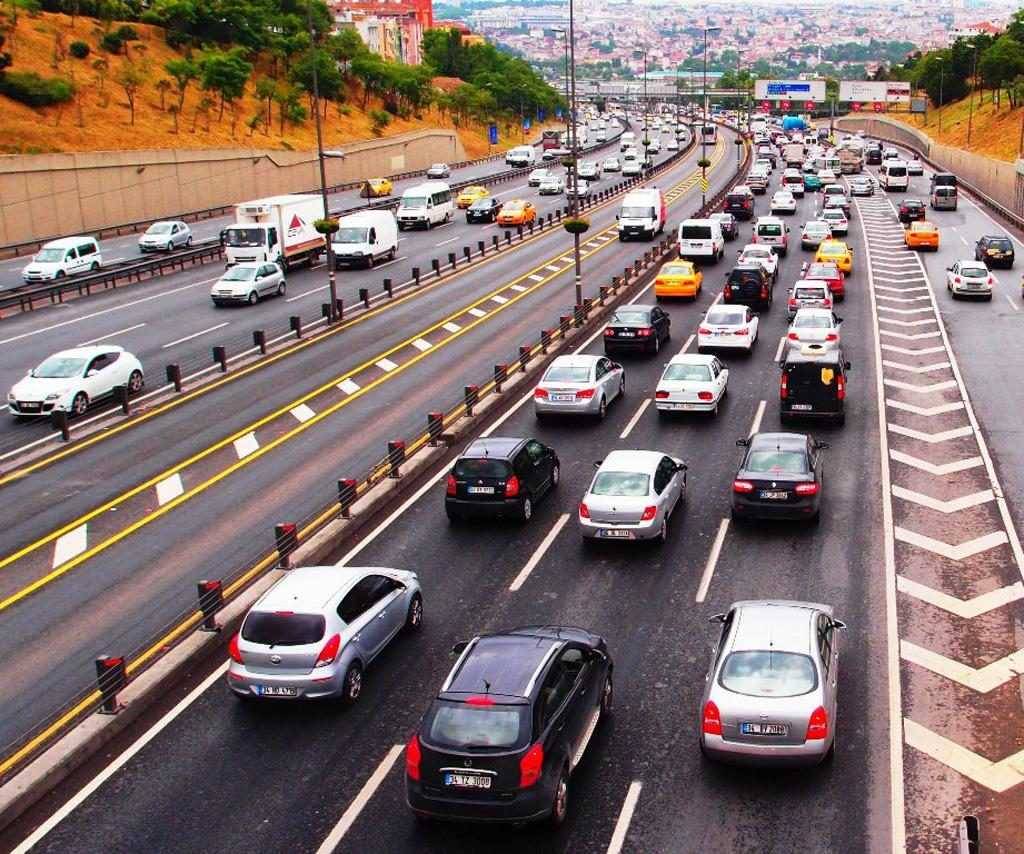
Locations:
(422, 344)
(476, 312)
(169, 488)
(245, 445)
(302, 413)
(451, 327)
(348, 386)
(68, 545)
(386, 365)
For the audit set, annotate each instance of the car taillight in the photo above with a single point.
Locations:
(827, 303)
(531, 766)
(817, 726)
(661, 395)
(512, 486)
(540, 393)
(764, 292)
(742, 331)
(584, 511)
(234, 652)
(608, 331)
(806, 489)
(585, 394)
(957, 280)
(712, 720)
(742, 486)
(831, 337)
(413, 755)
(703, 395)
(450, 487)
(793, 336)
(784, 387)
(747, 203)
(792, 301)
(329, 652)
(649, 513)
(645, 332)
(841, 389)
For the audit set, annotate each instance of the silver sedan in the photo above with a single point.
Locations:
(579, 385)
(632, 496)
(771, 692)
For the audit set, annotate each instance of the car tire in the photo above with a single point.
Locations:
(414, 616)
(170, 245)
(560, 801)
(79, 404)
(526, 509)
(556, 476)
(135, 382)
(58, 275)
(662, 537)
(607, 696)
(252, 299)
(188, 242)
(657, 345)
(602, 409)
(352, 687)
(281, 288)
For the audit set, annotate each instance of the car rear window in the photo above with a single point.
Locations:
(1002, 244)
(767, 673)
(724, 317)
(776, 460)
(693, 373)
(809, 293)
(696, 232)
(481, 467)
(811, 321)
(465, 726)
(567, 374)
(283, 628)
(624, 483)
(769, 230)
(631, 318)
(974, 272)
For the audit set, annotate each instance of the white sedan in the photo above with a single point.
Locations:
(759, 253)
(611, 164)
(783, 202)
(580, 190)
(672, 145)
(732, 326)
(837, 220)
(914, 167)
(552, 185)
(70, 380)
(827, 176)
(691, 383)
(967, 278)
(814, 326)
(814, 231)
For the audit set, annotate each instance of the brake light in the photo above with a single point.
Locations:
(645, 332)
(531, 766)
(329, 652)
(784, 387)
(585, 394)
(661, 395)
(956, 280)
(764, 292)
(703, 395)
(451, 486)
(712, 723)
(234, 652)
(412, 758)
(540, 393)
(742, 486)
(480, 700)
(747, 203)
(793, 336)
(649, 513)
(831, 337)
(512, 486)
(792, 301)
(584, 511)
(841, 389)
(609, 332)
(817, 726)
(806, 489)
(742, 331)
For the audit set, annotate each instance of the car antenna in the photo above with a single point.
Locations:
(487, 686)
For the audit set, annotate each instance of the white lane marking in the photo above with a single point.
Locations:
(937, 470)
(348, 386)
(757, 418)
(932, 438)
(980, 679)
(952, 506)
(389, 263)
(625, 817)
(964, 239)
(446, 242)
(1013, 305)
(370, 787)
(686, 345)
(636, 417)
(778, 352)
(997, 776)
(925, 411)
(499, 299)
(921, 389)
(87, 790)
(451, 327)
(195, 335)
(169, 488)
(968, 609)
(111, 335)
(422, 344)
(535, 277)
(517, 288)
(307, 293)
(53, 326)
(553, 268)
(539, 553)
(386, 365)
(566, 260)
(908, 351)
(71, 544)
(709, 567)
(960, 552)
(302, 413)
(245, 445)
(476, 312)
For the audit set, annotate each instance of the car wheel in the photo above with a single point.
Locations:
(526, 510)
(94, 267)
(170, 245)
(560, 805)
(281, 288)
(556, 475)
(80, 403)
(662, 537)
(188, 242)
(607, 695)
(622, 386)
(657, 345)
(135, 382)
(414, 616)
(602, 409)
(58, 275)
(352, 687)
(253, 299)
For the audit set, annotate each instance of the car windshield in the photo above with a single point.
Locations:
(816, 227)
(465, 726)
(567, 374)
(767, 673)
(725, 317)
(621, 483)
(414, 201)
(513, 207)
(776, 460)
(49, 255)
(438, 167)
(480, 467)
(283, 628)
(481, 204)
(693, 373)
(636, 212)
(59, 367)
(834, 249)
(351, 235)
(473, 191)
(758, 252)
(812, 321)
(677, 270)
(239, 274)
(631, 318)
(159, 228)
(835, 214)
(244, 237)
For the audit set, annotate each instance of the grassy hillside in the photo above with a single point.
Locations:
(995, 130)
(99, 118)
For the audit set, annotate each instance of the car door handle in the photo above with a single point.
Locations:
(381, 615)
(356, 639)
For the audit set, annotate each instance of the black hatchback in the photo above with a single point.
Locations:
(637, 328)
(780, 477)
(749, 285)
(484, 210)
(912, 210)
(995, 250)
(509, 726)
(813, 384)
(740, 205)
(500, 477)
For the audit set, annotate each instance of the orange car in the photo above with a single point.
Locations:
(517, 212)
(922, 235)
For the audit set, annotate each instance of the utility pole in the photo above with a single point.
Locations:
(573, 170)
(703, 138)
(647, 132)
(942, 71)
(970, 101)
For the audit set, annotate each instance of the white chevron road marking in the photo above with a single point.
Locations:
(982, 679)
(896, 322)
(915, 337)
(923, 369)
(997, 776)
(904, 310)
(921, 389)
(909, 351)
(961, 552)
(951, 506)
(897, 281)
(937, 470)
(932, 438)
(899, 299)
(926, 411)
(968, 609)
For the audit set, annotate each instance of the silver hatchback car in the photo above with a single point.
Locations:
(770, 697)
(315, 631)
(579, 385)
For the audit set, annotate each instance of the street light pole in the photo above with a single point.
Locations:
(970, 102)
(703, 138)
(942, 71)
(739, 106)
(647, 121)
(574, 148)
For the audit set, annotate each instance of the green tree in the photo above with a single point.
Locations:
(225, 73)
(329, 80)
(131, 78)
(183, 72)
(264, 90)
(1001, 63)
(345, 46)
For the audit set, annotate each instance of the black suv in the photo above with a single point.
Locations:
(637, 328)
(740, 205)
(995, 250)
(749, 285)
(873, 155)
(500, 477)
(510, 724)
(813, 384)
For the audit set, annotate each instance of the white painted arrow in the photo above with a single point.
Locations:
(968, 609)
(926, 411)
(896, 322)
(915, 337)
(932, 438)
(982, 679)
(923, 369)
(961, 552)
(907, 351)
(920, 389)
(931, 468)
(951, 506)
(997, 776)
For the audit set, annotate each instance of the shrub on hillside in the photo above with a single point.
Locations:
(79, 50)
(112, 43)
(29, 88)
(380, 120)
(127, 33)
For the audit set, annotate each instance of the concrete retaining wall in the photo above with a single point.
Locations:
(47, 194)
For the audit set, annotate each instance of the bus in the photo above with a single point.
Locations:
(709, 134)
(550, 139)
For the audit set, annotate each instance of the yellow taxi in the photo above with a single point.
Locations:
(517, 212)
(470, 195)
(835, 252)
(922, 235)
(678, 279)
(377, 187)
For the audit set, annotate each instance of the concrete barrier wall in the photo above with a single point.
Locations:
(997, 179)
(51, 194)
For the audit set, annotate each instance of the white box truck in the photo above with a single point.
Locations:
(278, 229)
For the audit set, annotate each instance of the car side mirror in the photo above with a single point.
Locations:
(682, 467)
(459, 648)
(846, 366)
(717, 618)
(597, 463)
(820, 446)
(838, 624)
(838, 319)
(743, 443)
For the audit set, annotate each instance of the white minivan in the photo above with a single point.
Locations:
(643, 214)
(701, 238)
(521, 155)
(894, 175)
(364, 238)
(425, 206)
(627, 141)
(64, 257)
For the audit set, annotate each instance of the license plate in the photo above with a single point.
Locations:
(30, 407)
(802, 407)
(764, 729)
(468, 781)
(276, 691)
(563, 398)
(616, 534)
(480, 490)
(624, 334)
(774, 494)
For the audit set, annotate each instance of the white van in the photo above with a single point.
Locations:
(64, 257)
(425, 205)
(364, 238)
(701, 238)
(772, 231)
(627, 141)
(643, 214)
(894, 175)
(521, 155)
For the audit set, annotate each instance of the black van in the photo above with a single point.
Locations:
(813, 384)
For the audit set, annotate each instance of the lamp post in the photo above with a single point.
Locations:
(703, 138)
(574, 153)
(739, 105)
(647, 130)
(942, 71)
(970, 101)
(568, 116)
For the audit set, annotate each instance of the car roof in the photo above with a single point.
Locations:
(65, 242)
(630, 460)
(785, 441)
(88, 351)
(311, 587)
(582, 360)
(493, 446)
(691, 359)
(774, 624)
(506, 664)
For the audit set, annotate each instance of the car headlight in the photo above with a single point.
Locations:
(11, 396)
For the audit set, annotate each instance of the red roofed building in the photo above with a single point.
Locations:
(392, 29)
